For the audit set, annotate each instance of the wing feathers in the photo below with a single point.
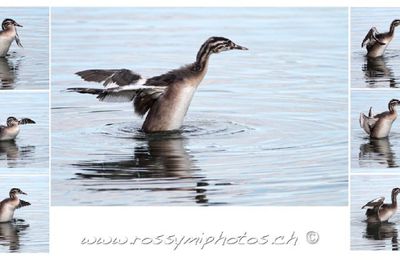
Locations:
(23, 203)
(122, 77)
(25, 121)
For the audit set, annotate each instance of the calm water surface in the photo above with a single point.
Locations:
(29, 152)
(365, 236)
(30, 233)
(382, 72)
(27, 67)
(266, 127)
(373, 155)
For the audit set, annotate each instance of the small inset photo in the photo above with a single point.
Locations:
(375, 132)
(24, 214)
(24, 48)
(375, 221)
(24, 133)
(375, 48)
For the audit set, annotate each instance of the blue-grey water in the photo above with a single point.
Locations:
(27, 67)
(371, 155)
(384, 236)
(30, 232)
(266, 127)
(29, 152)
(383, 72)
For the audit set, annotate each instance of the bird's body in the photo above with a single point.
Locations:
(377, 211)
(11, 130)
(9, 205)
(165, 98)
(376, 43)
(8, 35)
(379, 126)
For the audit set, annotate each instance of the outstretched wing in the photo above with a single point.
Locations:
(371, 38)
(24, 121)
(374, 203)
(143, 97)
(23, 203)
(122, 77)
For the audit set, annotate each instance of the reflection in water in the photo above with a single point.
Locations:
(10, 234)
(14, 153)
(383, 231)
(8, 72)
(378, 150)
(162, 157)
(376, 70)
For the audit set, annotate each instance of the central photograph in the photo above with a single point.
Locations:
(199, 106)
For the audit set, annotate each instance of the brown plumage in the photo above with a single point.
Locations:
(380, 212)
(164, 98)
(376, 43)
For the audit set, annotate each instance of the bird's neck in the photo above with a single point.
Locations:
(393, 109)
(202, 58)
(13, 196)
(392, 28)
(394, 200)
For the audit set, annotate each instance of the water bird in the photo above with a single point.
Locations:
(9, 205)
(377, 211)
(376, 43)
(379, 126)
(165, 98)
(11, 130)
(8, 35)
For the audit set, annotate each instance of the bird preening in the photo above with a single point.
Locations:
(8, 35)
(165, 98)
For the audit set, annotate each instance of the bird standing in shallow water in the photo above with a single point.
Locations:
(9, 205)
(376, 43)
(8, 35)
(381, 212)
(165, 98)
(379, 126)
(11, 130)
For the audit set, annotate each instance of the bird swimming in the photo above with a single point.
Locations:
(376, 43)
(11, 130)
(9, 205)
(165, 98)
(8, 35)
(377, 211)
(379, 126)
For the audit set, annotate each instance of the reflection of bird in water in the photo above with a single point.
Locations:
(383, 231)
(378, 150)
(164, 157)
(379, 125)
(377, 211)
(165, 98)
(8, 72)
(376, 70)
(376, 42)
(10, 234)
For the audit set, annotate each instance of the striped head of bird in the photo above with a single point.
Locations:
(9, 23)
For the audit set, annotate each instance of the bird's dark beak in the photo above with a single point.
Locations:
(23, 193)
(17, 24)
(238, 47)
